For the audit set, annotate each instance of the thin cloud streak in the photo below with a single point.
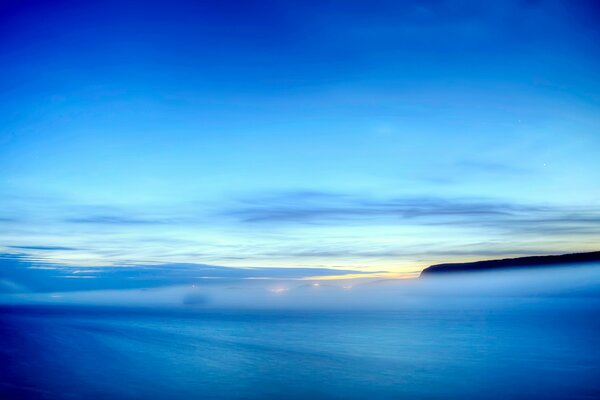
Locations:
(115, 220)
(329, 209)
(49, 248)
(291, 207)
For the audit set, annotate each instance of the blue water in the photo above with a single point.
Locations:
(535, 349)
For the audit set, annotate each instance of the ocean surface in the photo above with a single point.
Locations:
(535, 348)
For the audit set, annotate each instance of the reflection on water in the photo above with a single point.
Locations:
(534, 348)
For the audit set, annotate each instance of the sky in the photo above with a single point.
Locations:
(358, 138)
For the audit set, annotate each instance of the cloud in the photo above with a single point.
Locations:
(20, 271)
(318, 225)
(295, 208)
(298, 208)
(401, 253)
(115, 220)
(548, 221)
(50, 248)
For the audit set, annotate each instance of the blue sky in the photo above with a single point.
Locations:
(360, 136)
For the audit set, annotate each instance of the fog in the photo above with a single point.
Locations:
(496, 287)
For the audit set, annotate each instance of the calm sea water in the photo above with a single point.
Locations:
(538, 349)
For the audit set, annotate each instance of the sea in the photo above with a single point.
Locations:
(525, 348)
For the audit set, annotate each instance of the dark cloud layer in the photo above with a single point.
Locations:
(19, 273)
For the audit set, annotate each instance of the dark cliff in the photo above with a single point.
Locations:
(511, 263)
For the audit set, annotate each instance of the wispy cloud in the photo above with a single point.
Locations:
(308, 227)
(49, 248)
(322, 207)
(402, 253)
(116, 220)
(501, 216)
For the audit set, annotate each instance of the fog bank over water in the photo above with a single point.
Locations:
(568, 281)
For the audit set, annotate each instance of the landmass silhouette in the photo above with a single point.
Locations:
(510, 263)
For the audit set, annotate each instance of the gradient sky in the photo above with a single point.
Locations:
(354, 135)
